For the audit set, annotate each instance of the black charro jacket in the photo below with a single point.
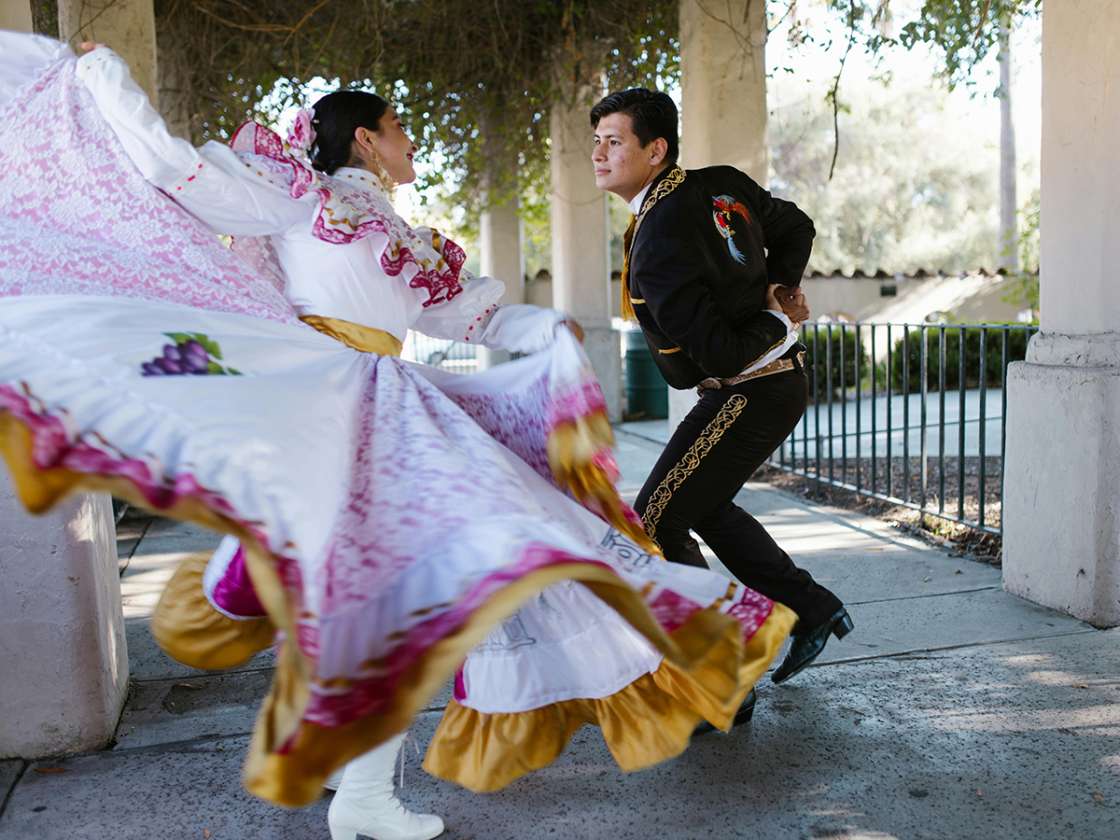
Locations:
(702, 256)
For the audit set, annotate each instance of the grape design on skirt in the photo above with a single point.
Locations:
(192, 353)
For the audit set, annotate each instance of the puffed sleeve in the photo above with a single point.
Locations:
(475, 316)
(210, 182)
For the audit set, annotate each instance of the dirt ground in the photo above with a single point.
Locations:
(962, 539)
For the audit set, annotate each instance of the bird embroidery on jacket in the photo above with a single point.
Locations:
(722, 208)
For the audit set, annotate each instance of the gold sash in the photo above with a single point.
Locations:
(355, 336)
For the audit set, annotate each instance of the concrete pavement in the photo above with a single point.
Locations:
(953, 711)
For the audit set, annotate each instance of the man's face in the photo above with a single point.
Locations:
(622, 165)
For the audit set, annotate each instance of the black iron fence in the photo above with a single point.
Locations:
(457, 356)
(913, 414)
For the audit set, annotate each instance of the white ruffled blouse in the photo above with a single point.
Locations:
(232, 195)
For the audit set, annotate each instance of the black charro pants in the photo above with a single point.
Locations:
(716, 448)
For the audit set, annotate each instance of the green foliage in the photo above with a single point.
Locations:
(44, 17)
(832, 349)
(893, 203)
(1025, 288)
(993, 357)
(965, 31)
(473, 81)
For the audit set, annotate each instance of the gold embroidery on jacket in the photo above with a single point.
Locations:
(670, 182)
(767, 352)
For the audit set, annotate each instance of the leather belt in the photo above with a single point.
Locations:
(776, 366)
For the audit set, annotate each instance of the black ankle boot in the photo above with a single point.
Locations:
(809, 645)
(745, 713)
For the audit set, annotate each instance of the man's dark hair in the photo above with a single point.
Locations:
(651, 112)
(337, 116)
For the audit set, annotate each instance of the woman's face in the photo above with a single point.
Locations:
(394, 148)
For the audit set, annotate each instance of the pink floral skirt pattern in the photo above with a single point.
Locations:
(400, 525)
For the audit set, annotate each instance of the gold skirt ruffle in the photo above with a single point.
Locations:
(648, 721)
(191, 631)
(289, 757)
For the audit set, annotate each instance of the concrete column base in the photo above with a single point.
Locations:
(1061, 509)
(603, 348)
(63, 660)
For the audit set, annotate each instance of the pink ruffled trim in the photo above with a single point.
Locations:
(441, 285)
(234, 592)
(53, 448)
(372, 694)
(576, 402)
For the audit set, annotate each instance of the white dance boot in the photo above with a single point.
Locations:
(366, 804)
(334, 779)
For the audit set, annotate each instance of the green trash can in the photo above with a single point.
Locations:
(647, 395)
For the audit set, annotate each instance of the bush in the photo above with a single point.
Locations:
(818, 357)
(993, 363)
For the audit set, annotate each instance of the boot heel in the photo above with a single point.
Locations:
(844, 626)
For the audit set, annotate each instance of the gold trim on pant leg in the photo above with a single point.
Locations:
(688, 463)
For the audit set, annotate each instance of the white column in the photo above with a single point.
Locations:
(723, 101)
(499, 242)
(15, 15)
(1061, 507)
(580, 260)
(1008, 168)
(63, 661)
(128, 26)
(723, 86)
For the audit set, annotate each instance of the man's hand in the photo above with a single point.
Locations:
(792, 301)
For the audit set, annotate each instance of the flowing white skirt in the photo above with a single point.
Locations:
(400, 525)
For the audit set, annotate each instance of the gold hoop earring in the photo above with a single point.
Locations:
(381, 173)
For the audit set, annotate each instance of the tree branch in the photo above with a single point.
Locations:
(834, 94)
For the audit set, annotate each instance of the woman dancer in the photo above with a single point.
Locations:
(392, 517)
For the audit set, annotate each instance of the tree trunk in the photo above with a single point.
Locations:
(176, 93)
(44, 17)
(1008, 200)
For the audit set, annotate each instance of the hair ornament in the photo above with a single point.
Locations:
(301, 136)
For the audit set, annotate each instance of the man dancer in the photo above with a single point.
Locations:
(705, 254)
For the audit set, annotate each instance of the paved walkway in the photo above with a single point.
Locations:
(954, 711)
